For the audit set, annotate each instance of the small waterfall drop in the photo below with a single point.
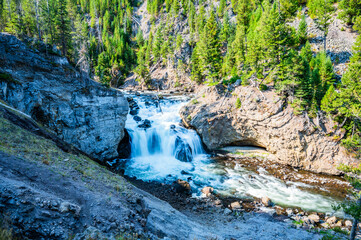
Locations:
(163, 150)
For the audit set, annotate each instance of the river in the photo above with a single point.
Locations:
(166, 151)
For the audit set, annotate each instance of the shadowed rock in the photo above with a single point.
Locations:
(80, 111)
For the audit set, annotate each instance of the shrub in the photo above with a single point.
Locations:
(238, 103)
(194, 101)
(263, 87)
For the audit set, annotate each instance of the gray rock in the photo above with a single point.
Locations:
(271, 124)
(314, 218)
(182, 151)
(236, 206)
(331, 220)
(266, 201)
(79, 110)
(207, 190)
(348, 223)
(227, 211)
(182, 186)
(146, 124)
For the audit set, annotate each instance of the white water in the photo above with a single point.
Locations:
(153, 158)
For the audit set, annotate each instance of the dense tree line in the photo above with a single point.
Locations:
(260, 48)
(92, 34)
(249, 40)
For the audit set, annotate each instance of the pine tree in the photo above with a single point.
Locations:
(168, 5)
(157, 43)
(179, 42)
(302, 31)
(226, 30)
(323, 11)
(196, 66)
(274, 35)
(210, 49)
(221, 8)
(350, 10)
(290, 74)
(175, 7)
(62, 27)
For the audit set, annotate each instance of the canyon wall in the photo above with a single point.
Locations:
(45, 86)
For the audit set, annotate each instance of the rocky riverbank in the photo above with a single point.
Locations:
(211, 206)
(265, 120)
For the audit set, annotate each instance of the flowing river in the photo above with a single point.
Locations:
(165, 151)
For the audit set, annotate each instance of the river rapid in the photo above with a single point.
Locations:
(163, 150)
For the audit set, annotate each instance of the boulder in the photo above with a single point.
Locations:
(227, 211)
(182, 151)
(266, 120)
(266, 202)
(134, 112)
(207, 190)
(146, 124)
(236, 206)
(348, 223)
(218, 202)
(314, 218)
(80, 111)
(182, 186)
(338, 224)
(331, 220)
(137, 118)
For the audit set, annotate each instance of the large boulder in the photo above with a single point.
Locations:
(265, 120)
(80, 111)
(182, 151)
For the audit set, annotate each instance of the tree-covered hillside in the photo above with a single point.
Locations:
(251, 40)
(92, 34)
(254, 41)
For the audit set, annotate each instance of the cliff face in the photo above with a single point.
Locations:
(45, 86)
(263, 119)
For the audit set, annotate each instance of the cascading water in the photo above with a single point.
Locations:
(163, 150)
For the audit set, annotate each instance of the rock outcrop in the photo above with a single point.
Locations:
(44, 85)
(265, 120)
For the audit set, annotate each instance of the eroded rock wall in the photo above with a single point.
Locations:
(265, 120)
(79, 110)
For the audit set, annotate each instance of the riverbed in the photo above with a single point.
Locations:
(163, 150)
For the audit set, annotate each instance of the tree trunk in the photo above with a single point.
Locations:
(324, 42)
(355, 223)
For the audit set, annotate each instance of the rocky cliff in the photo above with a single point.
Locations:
(41, 83)
(263, 119)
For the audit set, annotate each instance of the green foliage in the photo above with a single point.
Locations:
(232, 80)
(351, 9)
(345, 104)
(179, 42)
(263, 87)
(322, 11)
(302, 31)
(238, 103)
(221, 8)
(6, 234)
(101, 48)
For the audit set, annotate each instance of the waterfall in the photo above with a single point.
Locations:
(163, 150)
